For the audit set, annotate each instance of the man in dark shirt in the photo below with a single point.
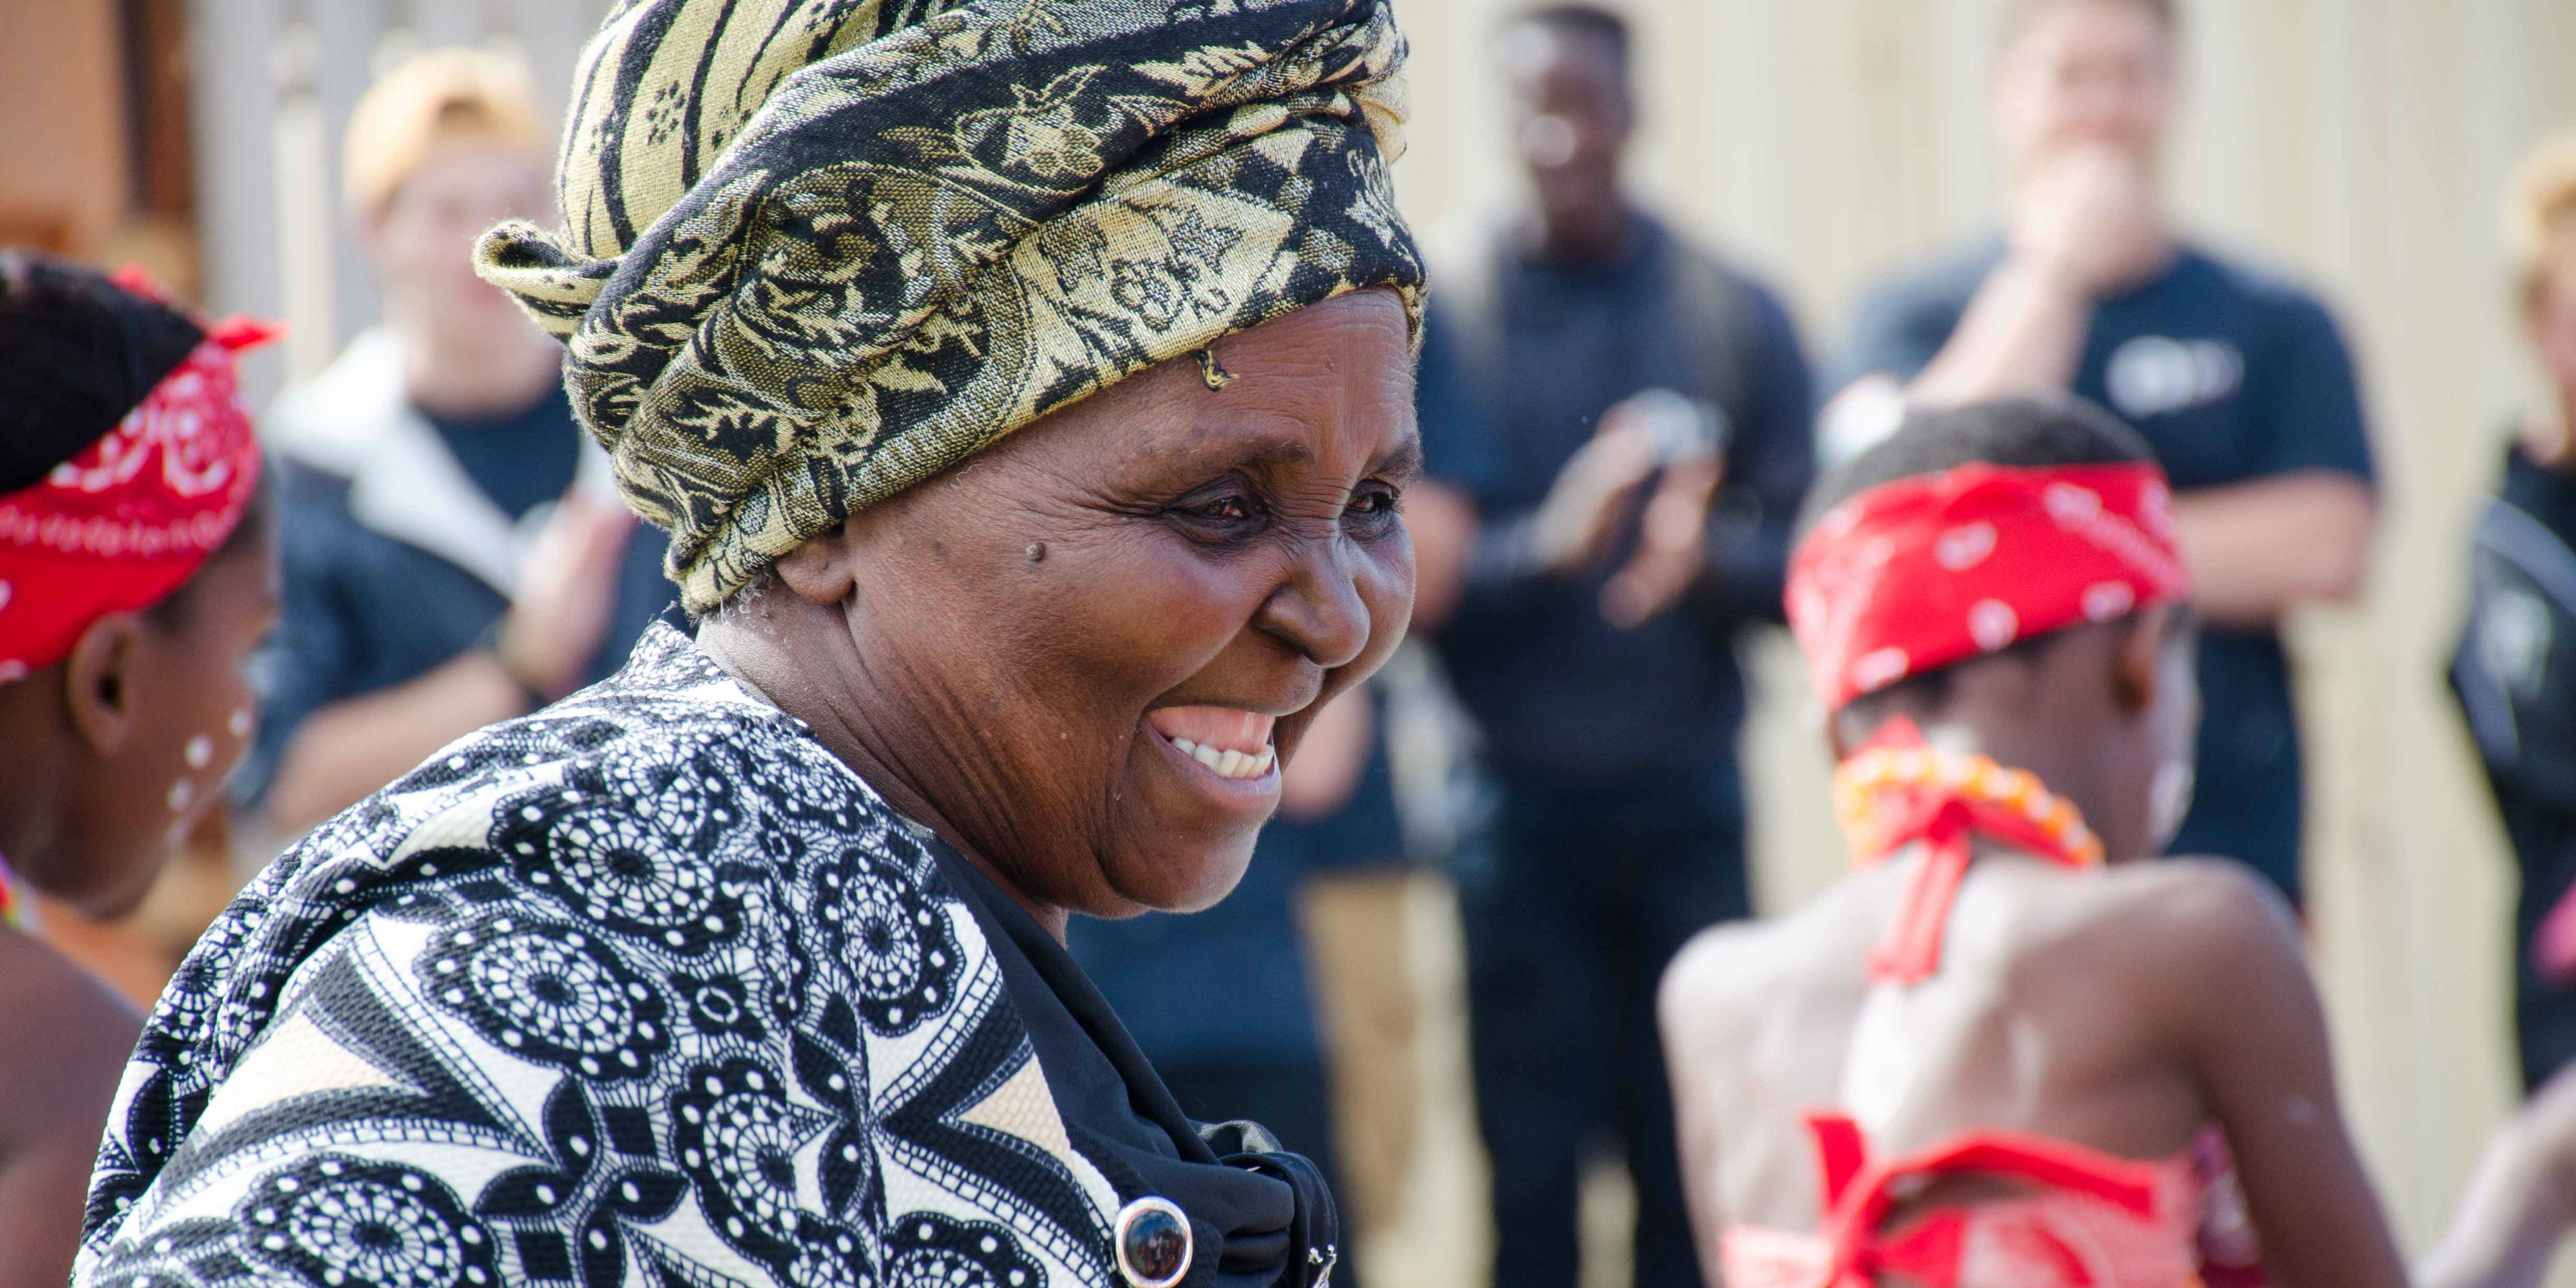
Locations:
(451, 552)
(1639, 388)
(2240, 381)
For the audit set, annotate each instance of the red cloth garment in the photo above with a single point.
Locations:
(134, 515)
(1915, 575)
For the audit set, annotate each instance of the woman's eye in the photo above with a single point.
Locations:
(1226, 509)
(1374, 504)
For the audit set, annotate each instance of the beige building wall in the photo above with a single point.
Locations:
(2357, 144)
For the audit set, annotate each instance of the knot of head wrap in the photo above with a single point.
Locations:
(817, 251)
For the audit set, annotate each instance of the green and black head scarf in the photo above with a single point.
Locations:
(817, 251)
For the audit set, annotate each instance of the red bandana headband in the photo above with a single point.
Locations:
(1921, 573)
(135, 514)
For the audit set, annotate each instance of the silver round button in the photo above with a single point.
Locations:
(1153, 1241)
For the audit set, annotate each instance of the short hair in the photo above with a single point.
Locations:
(2030, 432)
(432, 97)
(2026, 432)
(1577, 18)
(77, 352)
(2020, 14)
(2539, 210)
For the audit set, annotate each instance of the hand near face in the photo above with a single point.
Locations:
(2089, 217)
(567, 590)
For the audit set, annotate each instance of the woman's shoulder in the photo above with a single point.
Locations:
(599, 974)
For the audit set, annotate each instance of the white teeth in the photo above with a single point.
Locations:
(1229, 764)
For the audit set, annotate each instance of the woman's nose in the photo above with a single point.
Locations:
(1318, 609)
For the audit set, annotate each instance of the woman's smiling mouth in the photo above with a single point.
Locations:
(1231, 743)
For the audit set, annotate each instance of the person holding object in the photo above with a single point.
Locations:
(1651, 409)
(449, 559)
(1026, 391)
(2005, 1051)
(137, 576)
(2239, 381)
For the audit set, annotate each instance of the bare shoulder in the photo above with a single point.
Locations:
(1722, 979)
(70, 1076)
(2197, 921)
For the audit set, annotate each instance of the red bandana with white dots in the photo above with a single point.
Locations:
(1924, 572)
(125, 522)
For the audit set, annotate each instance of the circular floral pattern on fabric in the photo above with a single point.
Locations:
(552, 993)
(896, 943)
(928, 1250)
(341, 1222)
(640, 845)
(739, 1138)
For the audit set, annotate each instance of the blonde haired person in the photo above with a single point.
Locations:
(2515, 674)
(442, 568)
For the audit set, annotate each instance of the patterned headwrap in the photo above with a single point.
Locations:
(119, 515)
(1924, 572)
(817, 251)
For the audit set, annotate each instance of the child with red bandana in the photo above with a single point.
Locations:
(2002, 1052)
(135, 581)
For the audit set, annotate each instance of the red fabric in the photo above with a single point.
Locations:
(1860, 1195)
(1946, 820)
(135, 514)
(1915, 575)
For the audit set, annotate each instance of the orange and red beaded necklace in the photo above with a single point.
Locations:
(1899, 790)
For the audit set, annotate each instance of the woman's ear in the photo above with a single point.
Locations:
(99, 690)
(2137, 667)
(822, 570)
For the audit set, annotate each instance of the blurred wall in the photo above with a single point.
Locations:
(66, 183)
(2358, 144)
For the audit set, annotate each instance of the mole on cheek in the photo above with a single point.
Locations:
(1036, 552)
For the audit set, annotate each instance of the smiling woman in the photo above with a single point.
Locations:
(1027, 391)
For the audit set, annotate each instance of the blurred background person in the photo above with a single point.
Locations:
(136, 579)
(2515, 672)
(1638, 387)
(449, 560)
(2239, 380)
(1226, 1001)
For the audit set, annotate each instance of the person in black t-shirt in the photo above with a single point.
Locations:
(451, 554)
(2239, 381)
(2515, 672)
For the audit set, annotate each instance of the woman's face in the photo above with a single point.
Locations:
(189, 710)
(2553, 312)
(1060, 634)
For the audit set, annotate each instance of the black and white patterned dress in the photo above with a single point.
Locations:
(646, 988)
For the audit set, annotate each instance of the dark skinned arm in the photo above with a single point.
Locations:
(1686, 1007)
(2254, 1031)
(2520, 1203)
(57, 1092)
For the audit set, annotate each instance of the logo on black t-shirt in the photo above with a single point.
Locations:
(2155, 374)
